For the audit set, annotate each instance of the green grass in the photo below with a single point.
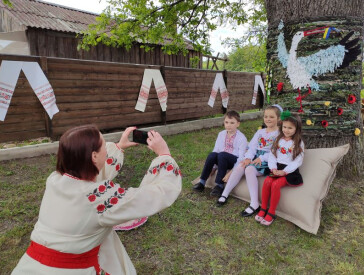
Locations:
(194, 236)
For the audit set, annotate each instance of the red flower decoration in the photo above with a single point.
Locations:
(100, 208)
(283, 151)
(162, 164)
(170, 167)
(117, 168)
(121, 190)
(114, 200)
(109, 161)
(180, 172)
(324, 123)
(92, 198)
(102, 188)
(351, 99)
(111, 184)
(280, 86)
(154, 171)
(340, 111)
(290, 150)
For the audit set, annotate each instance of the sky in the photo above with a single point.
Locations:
(97, 6)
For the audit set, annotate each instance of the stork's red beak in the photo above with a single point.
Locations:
(314, 31)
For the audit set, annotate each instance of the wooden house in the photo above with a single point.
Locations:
(33, 27)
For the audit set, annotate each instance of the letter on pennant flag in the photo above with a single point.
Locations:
(160, 86)
(219, 84)
(9, 74)
(257, 83)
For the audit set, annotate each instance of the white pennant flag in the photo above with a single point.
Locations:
(219, 83)
(257, 83)
(160, 86)
(9, 74)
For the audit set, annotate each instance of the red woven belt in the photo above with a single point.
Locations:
(54, 258)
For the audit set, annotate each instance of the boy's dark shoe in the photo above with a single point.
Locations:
(217, 191)
(199, 187)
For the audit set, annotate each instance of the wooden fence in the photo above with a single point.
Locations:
(105, 93)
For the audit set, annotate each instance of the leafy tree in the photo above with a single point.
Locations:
(249, 58)
(168, 22)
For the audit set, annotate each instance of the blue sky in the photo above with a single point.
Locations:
(97, 6)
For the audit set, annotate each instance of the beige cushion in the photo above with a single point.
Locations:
(301, 205)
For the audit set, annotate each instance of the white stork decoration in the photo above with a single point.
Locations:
(301, 70)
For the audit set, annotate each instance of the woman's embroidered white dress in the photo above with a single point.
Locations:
(76, 216)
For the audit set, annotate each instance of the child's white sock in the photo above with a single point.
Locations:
(251, 175)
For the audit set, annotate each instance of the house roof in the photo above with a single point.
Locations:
(43, 15)
(39, 14)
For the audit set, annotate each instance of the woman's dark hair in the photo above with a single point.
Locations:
(75, 152)
(233, 114)
(297, 137)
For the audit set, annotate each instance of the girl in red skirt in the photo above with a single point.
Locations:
(284, 159)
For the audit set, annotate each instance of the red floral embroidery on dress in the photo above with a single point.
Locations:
(262, 142)
(113, 161)
(100, 190)
(110, 202)
(285, 151)
(166, 165)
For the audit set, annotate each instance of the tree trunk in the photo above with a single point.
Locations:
(324, 63)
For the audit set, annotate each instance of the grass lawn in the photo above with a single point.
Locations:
(194, 236)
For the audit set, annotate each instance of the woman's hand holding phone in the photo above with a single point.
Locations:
(124, 139)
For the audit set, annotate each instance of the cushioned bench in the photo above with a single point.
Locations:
(301, 205)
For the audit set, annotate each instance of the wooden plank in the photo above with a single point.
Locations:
(51, 42)
(23, 126)
(86, 76)
(42, 47)
(137, 53)
(32, 41)
(21, 135)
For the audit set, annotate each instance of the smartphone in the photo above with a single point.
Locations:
(140, 136)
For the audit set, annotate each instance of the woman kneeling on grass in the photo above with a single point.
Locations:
(74, 232)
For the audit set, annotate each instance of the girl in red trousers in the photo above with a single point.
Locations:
(284, 159)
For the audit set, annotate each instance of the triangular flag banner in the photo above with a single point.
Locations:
(9, 74)
(257, 83)
(160, 86)
(219, 83)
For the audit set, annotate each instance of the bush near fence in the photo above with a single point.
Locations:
(105, 93)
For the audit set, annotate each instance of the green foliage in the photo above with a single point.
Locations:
(8, 3)
(194, 61)
(167, 22)
(249, 58)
